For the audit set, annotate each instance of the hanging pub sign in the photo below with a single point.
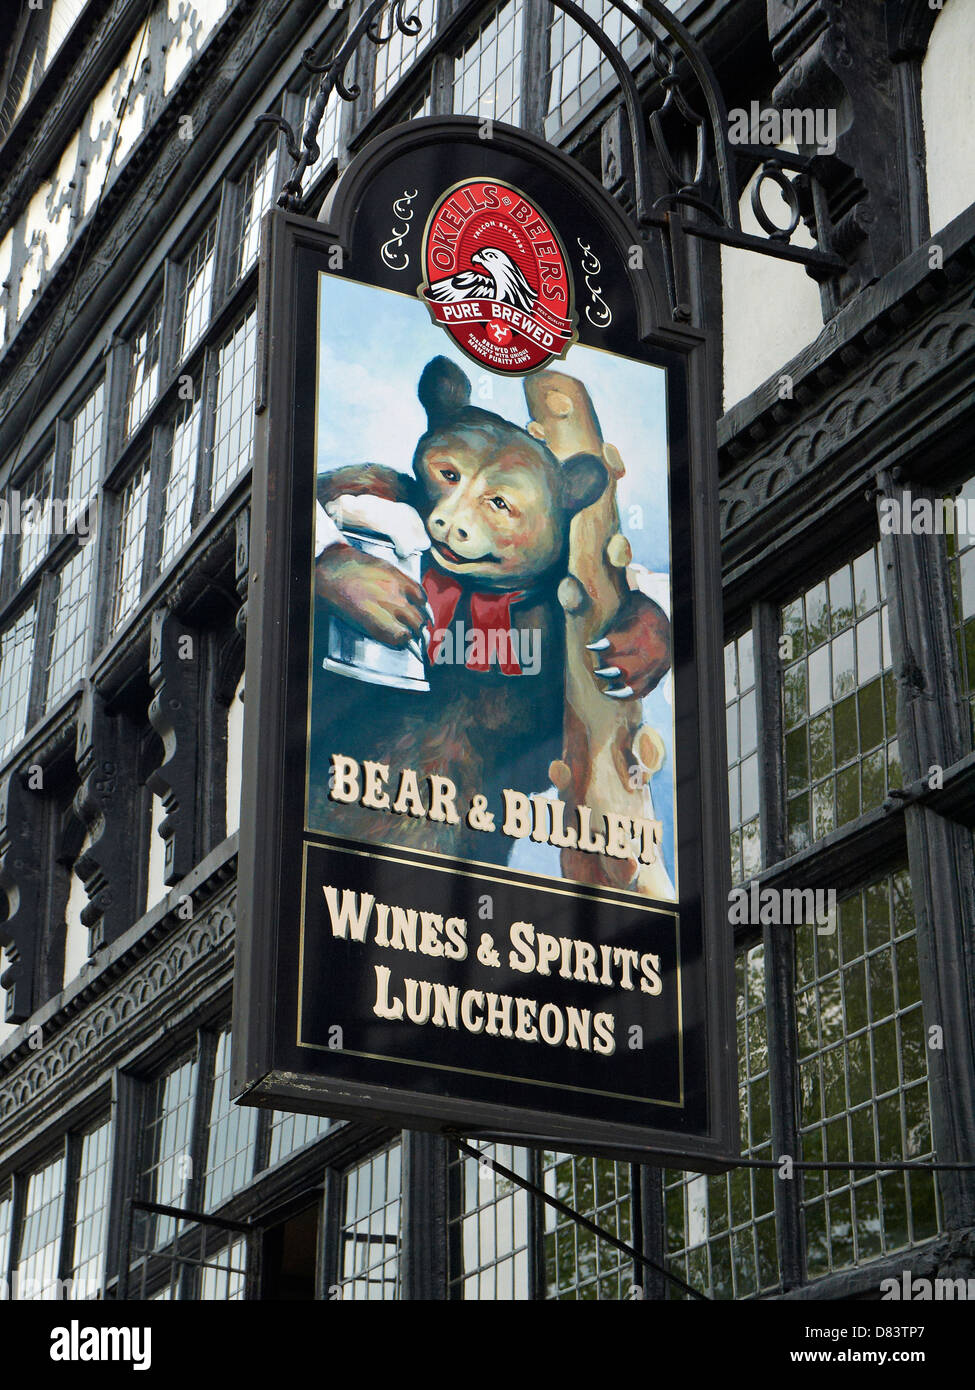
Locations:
(483, 853)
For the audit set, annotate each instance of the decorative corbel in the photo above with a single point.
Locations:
(22, 817)
(174, 674)
(109, 804)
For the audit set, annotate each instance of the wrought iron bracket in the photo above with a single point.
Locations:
(702, 201)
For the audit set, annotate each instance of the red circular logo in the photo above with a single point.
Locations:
(497, 278)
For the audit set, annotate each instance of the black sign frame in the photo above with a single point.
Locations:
(270, 1067)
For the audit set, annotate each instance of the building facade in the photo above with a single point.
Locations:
(133, 180)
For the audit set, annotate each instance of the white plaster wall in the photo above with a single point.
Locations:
(771, 309)
(76, 937)
(235, 746)
(948, 109)
(156, 888)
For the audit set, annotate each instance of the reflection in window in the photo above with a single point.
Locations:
(36, 513)
(230, 1146)
(577, 1263)
(40, 1241)
(487, 73)
(961, 563)
(741, 715)
(91, 1212)
(177, 515)
(234, 430)
(167, 1165)
(197, 290)
(255, 194)
(369, 1263)
(69, 635)
(16, 651)
(489, 1224)
(143, 382)
(290, 1132)
(395, 56)
(721, 1228)
(131, 539)
(577, 68)
(839, 699)
(86, 447)
(863, 1080)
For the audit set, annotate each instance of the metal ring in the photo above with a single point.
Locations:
(786, 187)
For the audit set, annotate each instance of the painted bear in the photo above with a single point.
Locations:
(496, 506)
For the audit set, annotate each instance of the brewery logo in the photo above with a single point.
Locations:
(497, 278)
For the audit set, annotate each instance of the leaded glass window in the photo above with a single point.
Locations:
(85, 464)
(35, 500)
(255, 195)
(131, 541)
(143, 382)
(234, 430)
(6, 1230)
(577, 67)
(487, 73)
(40, 1240)
(369, 1240)
(399, 52)
(177, 518)
(168, 1162)
(197, 290)
(839, 700)
(290, 1132)
(863, 1080)
(721, 1227)
(489, 1226)
(223, 1277)
(91, 1212)
(16, 653)
(230, 1146)
(741, 717)
(69, 635)
(577, 1263)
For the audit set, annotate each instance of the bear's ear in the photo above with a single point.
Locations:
(584, 480)
(443, 390)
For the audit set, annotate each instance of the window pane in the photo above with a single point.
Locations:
(234, 432)
(86, 448)
(741, 717)
(223, 1277)
(35, 525)
(16, 651)
(255, 194)
(290, 1132)
(863, 1084)
(487, 74)
(230, 1146)
(91, 1213)
(328, 131)
(489, 1217)
(143, 383)
(577, 1263)
(167, 1164)
(40, 1244)
(838, 699)
(69, 636)
(180, 482)
(578, 69)
(369, 1266)
(197, 289)
(133, 519)
(960, 542)
(394, 57)
(721, 1228)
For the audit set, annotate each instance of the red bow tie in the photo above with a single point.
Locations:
(489, 612)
